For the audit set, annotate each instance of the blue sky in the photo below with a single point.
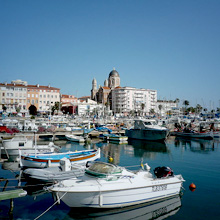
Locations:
(171, 46)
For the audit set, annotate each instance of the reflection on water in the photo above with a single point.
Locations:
(11, 165)
(195, 145)
(149, 145)
(153, 210)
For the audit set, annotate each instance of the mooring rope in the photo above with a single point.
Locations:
(58, 200)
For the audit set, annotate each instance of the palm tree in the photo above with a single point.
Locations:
(152, 111)
(186, 103)
(198, 108)
(55, 107)
(160, 108)
(142, 108)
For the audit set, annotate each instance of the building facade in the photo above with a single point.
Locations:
(165, 107)
(13, 97)
(128, 99)
(18, 96)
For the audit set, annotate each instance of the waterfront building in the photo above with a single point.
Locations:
(46, 96)
(126, 100)
(13, 97)
(165, 107)
(68, 99)
(18, 96)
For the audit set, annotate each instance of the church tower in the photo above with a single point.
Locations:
(113, 79)
(94, 89)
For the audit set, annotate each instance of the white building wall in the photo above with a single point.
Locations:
(47, 98)
(13, 96)
(126, 99)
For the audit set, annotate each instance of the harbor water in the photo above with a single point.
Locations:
(197, 160)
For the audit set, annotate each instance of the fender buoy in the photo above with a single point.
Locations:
(110, 159)
(192, 187)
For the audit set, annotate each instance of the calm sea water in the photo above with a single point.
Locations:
(198, 161)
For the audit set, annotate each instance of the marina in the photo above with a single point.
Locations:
(196, 160)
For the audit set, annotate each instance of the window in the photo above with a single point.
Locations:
(32, 95)
(36, 95)
(32, 101)
(28, 95)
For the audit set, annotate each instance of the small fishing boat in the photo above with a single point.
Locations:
(194, 134)
(66, 170)
(75, 138)
(53, 159)
(114, 137)
(105, 185)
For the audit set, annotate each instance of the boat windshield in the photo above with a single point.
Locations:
(98, 168)
(150, 123)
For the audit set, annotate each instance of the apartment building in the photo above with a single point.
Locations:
(127, 99)
(18, 96)
(13, 97)
(42, 97)
(67, 99)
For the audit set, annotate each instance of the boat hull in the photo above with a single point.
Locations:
(207, 136)
(50, 161)
(147, 134)
(124, 193)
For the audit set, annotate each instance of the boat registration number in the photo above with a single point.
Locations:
(159, 188)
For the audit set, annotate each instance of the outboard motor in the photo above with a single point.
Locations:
(65, 164)
(163, 172)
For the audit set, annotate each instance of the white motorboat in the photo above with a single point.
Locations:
(22, 145)
(106, 185)
(75, 138)
(147, 129)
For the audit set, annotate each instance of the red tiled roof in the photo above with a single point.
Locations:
(29, 86)
(104, 87)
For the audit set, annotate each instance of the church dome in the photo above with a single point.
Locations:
(113, 73)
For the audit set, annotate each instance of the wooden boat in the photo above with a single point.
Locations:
(75, 138)
(66, 170)
(106, 185)
(53, 159)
